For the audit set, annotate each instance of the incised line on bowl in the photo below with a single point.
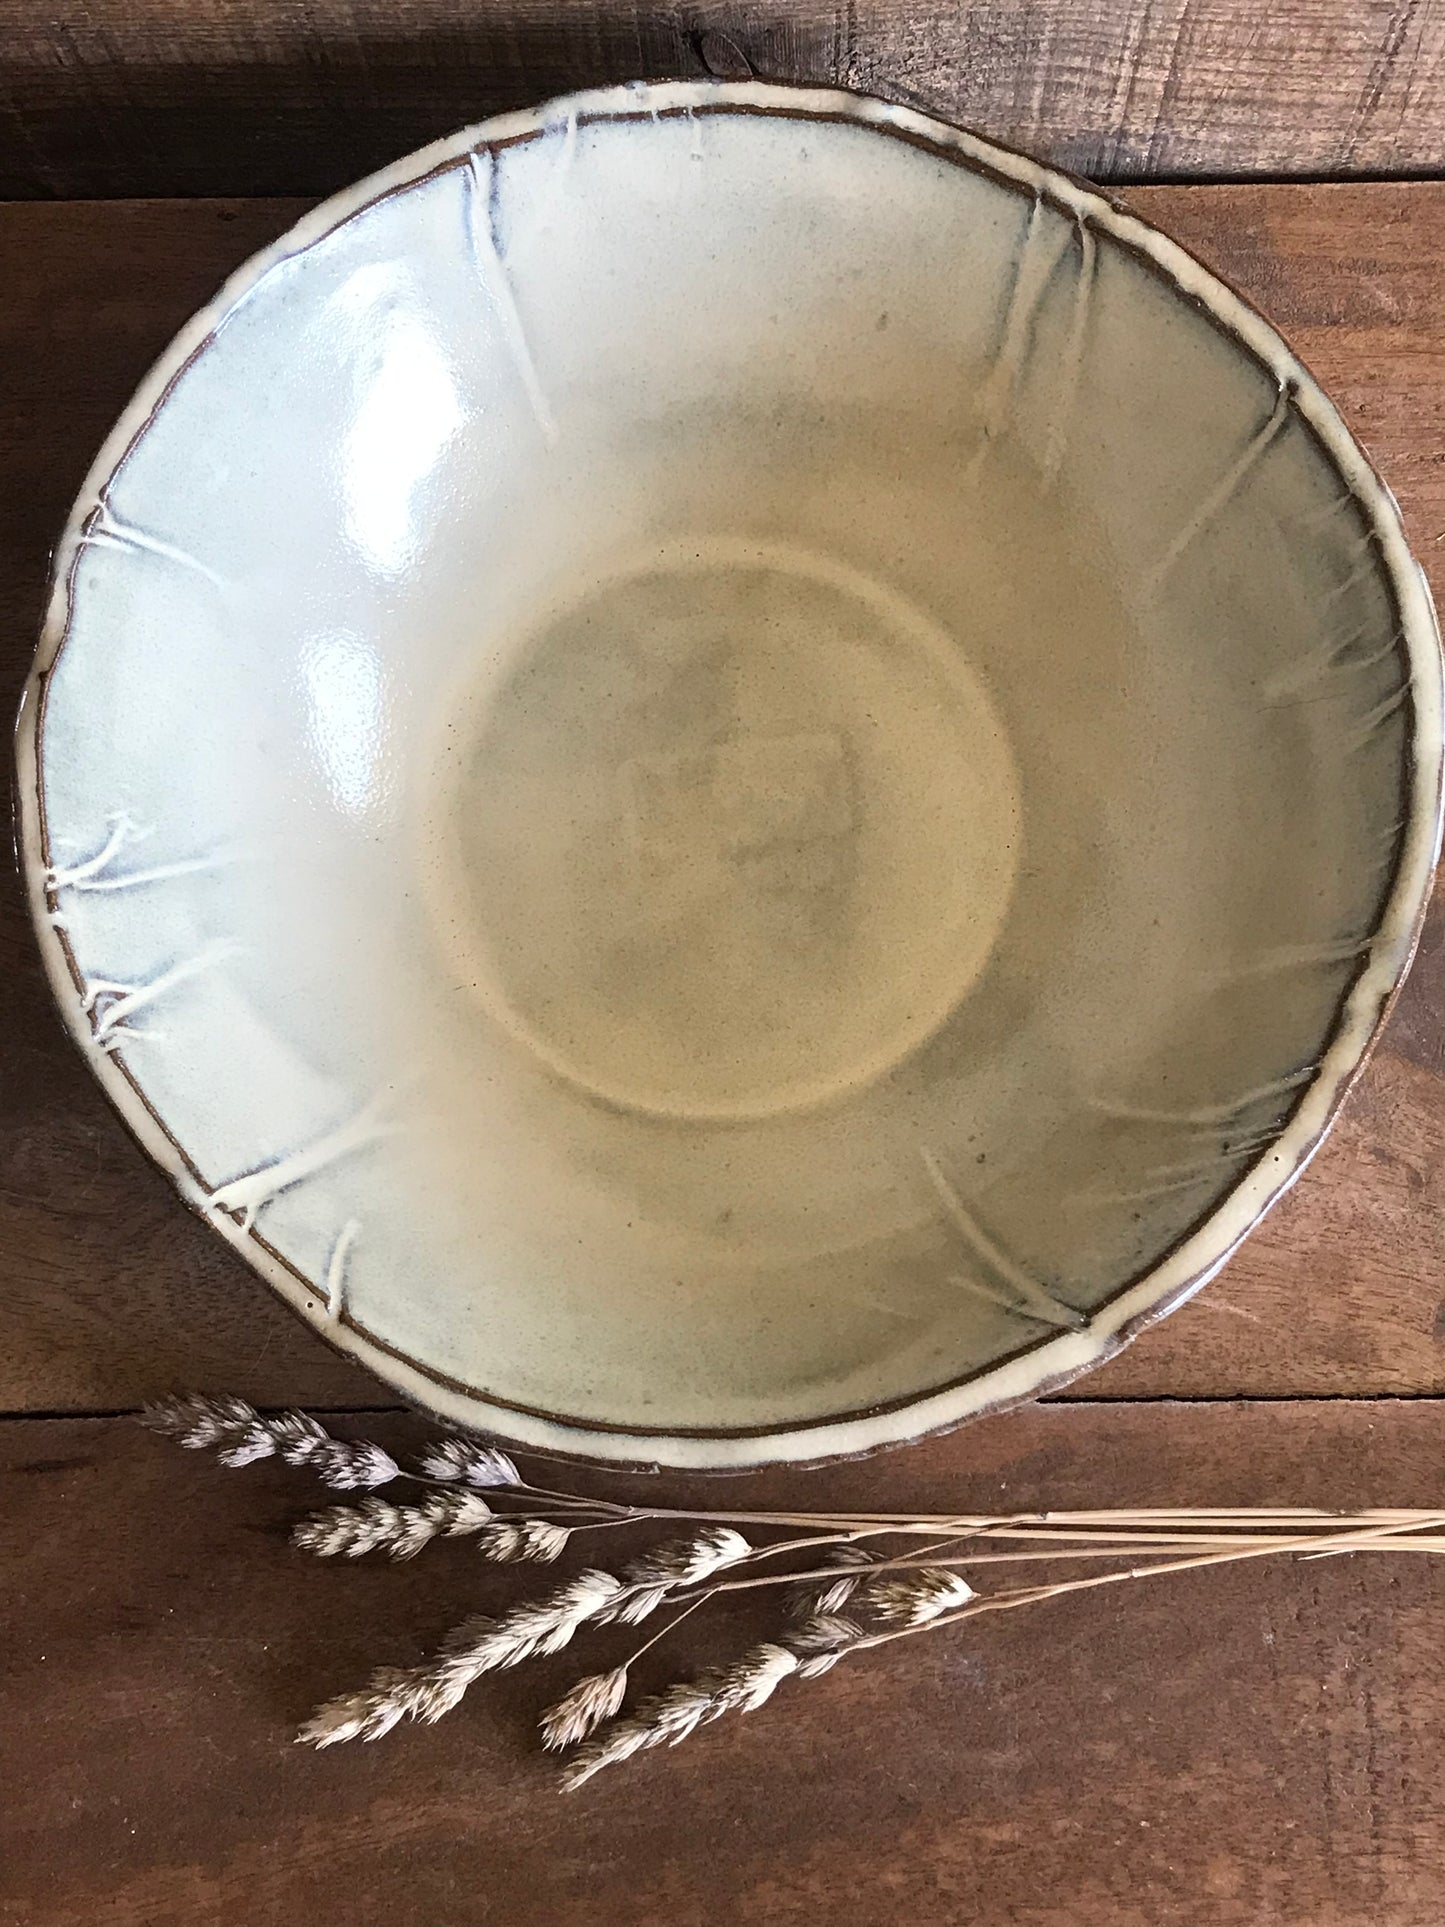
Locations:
(105, 530)
(1295, 956)
(247, 1193)
(92, 873)
(1229, 484)
(1226, 1113)
(110, 1025)
(484, 174)
(122, 1001)
(1034, 271)
(1331, 662)
(1071, 376)
(1022, 1295)
(1224, 1129)
(336, 1269)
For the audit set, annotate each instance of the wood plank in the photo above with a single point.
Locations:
(112, 1293)
(1256, 1747)
(127, 97)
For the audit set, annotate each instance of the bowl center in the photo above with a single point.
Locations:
(731, 832)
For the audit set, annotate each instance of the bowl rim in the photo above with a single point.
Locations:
(1055, 1358)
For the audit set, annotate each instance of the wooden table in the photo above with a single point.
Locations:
(1260, 1746)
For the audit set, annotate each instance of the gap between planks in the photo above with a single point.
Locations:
(1052, 1402)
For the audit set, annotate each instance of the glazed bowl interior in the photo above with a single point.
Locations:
(729, 775)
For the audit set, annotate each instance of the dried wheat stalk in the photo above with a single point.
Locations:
(855, 1582)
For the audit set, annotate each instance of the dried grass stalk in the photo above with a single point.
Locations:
(886, 1597)
(240, 1435)
(648, 1581)
(670, 1716)
(479, 1645)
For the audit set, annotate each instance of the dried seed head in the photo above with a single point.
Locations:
(590, 1701)
(393, 1693)
(635, 1606)
(831, 1595)
(543, 1541)
(469, 1463)
(823, 1633)
(712, 1549)
(535, 1626)
(578, 1598)
(250, 1442)
(821, 1641)
(913, 1598)
(297, 1436)
(241, 1435)
(684, 1562)
(537, 1540)
(672, 1715)
(352, 1530)
(391, 1696)
(354, 1716)
(648, 1581)
(679, 1710)
(457, 1513)
(618, 1742)
(376, 1525)
(346, 1466)
(479, 1645)
(197, 1422)
(754, 1678)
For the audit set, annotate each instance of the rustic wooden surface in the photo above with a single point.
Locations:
(113, 1293)
(298, 96)
(1257, 1747)
(1250, 1748)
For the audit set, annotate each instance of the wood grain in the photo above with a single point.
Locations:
(112, 1293)
(128, 97)
(1255, 1747)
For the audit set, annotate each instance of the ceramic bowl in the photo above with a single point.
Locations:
(728, 775)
